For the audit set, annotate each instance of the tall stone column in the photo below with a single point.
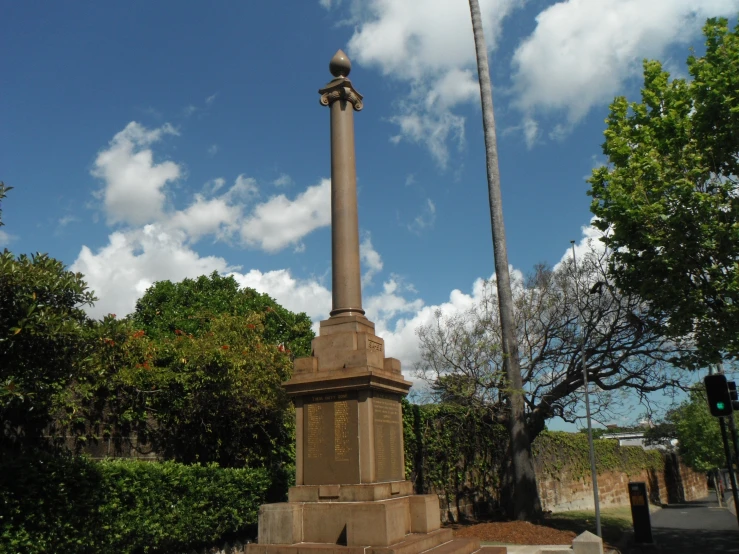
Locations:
(343, 99)
(347, 394)
(350, 487)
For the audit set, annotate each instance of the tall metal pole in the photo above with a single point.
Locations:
(593, 469)
(732, 426)
(732, 475)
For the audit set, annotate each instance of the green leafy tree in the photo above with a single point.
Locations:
(190, 305)
(3, 192)
(212, 397)
(101, 403)
(218, 397)
(194, 374)
(667, 198)
(697, 432)
(43, 339)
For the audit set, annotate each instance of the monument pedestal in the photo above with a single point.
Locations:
(351, 493)
(349, 422)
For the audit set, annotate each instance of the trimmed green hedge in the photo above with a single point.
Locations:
(65, 504)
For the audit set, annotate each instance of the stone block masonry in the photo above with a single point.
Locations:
(565, 492)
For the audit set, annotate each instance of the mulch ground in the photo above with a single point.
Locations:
(514, 532)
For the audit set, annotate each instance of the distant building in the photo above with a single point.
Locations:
(635, 437)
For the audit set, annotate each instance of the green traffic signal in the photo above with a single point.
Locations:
(719, 397)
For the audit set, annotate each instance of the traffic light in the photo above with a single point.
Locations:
(733, 395)
(719, 397)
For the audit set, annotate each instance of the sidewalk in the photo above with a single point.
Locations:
(698, 527)
(536, 548)
(694, 527)
(730, 505)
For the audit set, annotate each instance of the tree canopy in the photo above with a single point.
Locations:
(191, 304)
(462, 358)
(667, 198)
(696, 430)
(214, 397)
(43, 339)
(195, 372)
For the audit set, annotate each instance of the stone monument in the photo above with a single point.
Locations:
(350, 491)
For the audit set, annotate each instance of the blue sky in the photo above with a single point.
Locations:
(163, 140)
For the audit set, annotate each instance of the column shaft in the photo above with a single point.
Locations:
(346, 277)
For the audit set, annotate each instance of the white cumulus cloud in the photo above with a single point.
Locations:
(214, 216)
(297, 295)
(280, 222)
(132, 261)
(134, 194)
(371, 259)
(428, 44)
(582, 51)
(134, 182)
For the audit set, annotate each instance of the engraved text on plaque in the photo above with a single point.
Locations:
(388, 423)
(331, 435)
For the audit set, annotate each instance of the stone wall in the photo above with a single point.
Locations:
(459, 508)
(119, 447)
(687, 485)
(674, 484)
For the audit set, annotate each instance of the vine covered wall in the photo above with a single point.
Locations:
(461, 454)
(457, 453)
(556, 452)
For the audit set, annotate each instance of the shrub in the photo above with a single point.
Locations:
(66, 504)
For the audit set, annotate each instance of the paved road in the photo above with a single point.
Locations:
(698, 527)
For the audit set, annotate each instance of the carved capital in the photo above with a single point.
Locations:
(341, 89)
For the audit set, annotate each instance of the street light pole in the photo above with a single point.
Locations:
(593, 470)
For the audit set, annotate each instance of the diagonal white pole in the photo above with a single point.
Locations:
(593, 470)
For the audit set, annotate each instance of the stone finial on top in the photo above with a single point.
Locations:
(340, 88)
(340, 65)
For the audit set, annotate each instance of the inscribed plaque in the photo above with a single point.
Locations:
(331, 436)
(388, 423)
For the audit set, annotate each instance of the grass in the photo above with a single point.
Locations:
(613, 522)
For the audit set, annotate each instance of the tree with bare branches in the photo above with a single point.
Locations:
(625, 356)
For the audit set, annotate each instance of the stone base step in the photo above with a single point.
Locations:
(492, 550)
(415, 543)
(441, 541)
(456, 546)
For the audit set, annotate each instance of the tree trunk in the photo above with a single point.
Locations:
(526, 503)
